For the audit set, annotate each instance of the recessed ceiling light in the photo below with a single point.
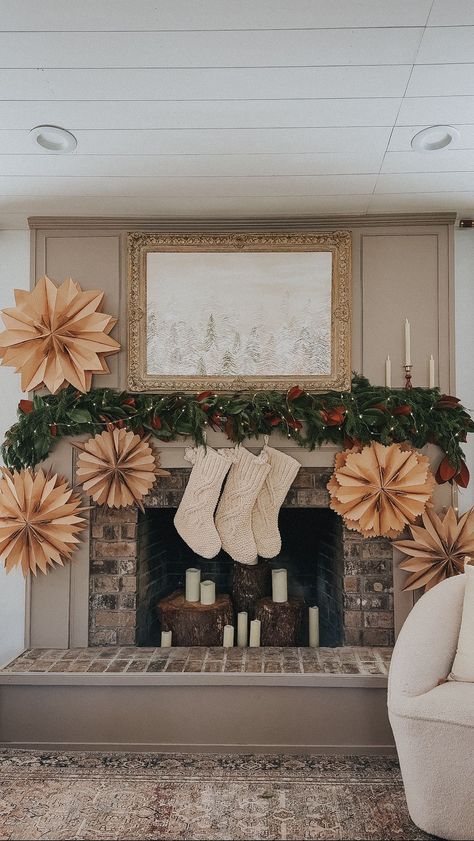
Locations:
(433, 138)
(54, 139)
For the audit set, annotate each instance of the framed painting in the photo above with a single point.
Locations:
(239, 312)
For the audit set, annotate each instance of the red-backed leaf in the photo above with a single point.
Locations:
(402, 410)
(294, 393)
(295, 424)
(335, 417)
(462, 478)
(447, 401)
(229, 429)
(53, 429)
(349, 442)
(380, 406)
(274, 421)
(26, 406)
(445, 472)
(156, 422)
(129, 401)
(203, 395)
(120, 423)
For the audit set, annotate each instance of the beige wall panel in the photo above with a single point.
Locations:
(59, 600)
(94, 261)
(401, 279)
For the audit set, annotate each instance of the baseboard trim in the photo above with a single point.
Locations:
(134, 747)
(196, 679)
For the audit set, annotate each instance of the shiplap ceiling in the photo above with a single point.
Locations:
(235, 107)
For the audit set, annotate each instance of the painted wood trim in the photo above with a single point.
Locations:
(331, 718)
(287, 223)
(327, 681)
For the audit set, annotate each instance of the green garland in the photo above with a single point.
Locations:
(367, 413)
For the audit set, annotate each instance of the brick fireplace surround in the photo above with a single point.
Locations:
(116, 535)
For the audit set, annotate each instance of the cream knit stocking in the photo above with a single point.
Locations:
(194, 518)
(234, 512)
(283, 470)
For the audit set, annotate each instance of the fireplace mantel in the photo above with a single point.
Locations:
(402, 265)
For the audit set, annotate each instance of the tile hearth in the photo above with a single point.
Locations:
(119, 660)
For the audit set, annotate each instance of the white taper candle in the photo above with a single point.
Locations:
(208, 592)
(255, 633)
(228, 636)
(388, 372)
(432, 372)
(407, 343)
(243, 629)
(166, 637)
(193, 580)
(314, 627)
(279, 585)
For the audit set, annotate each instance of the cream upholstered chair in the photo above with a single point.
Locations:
(433, 724)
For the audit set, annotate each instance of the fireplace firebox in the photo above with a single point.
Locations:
(138, 558)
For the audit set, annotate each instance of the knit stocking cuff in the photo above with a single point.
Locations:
(211, 464)
(284, 468)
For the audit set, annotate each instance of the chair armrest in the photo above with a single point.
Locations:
(425, 649)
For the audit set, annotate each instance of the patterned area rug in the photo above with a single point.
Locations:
(180, 796)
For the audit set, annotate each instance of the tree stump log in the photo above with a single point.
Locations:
(193, 623)
(281, 621)
(250, 583)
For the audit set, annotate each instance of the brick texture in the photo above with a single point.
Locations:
(128, 571)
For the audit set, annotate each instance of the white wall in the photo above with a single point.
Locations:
(464, 291)
(14, 273)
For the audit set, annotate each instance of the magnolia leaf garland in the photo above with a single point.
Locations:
(39, 520)
(366, 413)
(438, 548)
(379, 490)
(117, 468)
(57, 335)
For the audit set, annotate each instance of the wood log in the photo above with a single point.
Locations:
(193, 623)
(250, 583)
(281, 621)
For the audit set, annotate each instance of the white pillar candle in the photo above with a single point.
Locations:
(208, 592)
(193, 580)
(388, 372)
(432, 372)
(243, 629)
(166, 639)
(407, 343)
(228, 636)
(314, 627)
(255, 633)
(279, 585)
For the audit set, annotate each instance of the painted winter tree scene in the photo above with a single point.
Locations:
(232, 314)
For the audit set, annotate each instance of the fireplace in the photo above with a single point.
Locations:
(137, 558)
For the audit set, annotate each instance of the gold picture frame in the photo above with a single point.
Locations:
(336, 286)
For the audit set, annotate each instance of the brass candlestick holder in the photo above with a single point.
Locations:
(408, 382)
